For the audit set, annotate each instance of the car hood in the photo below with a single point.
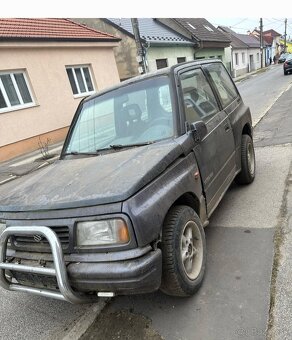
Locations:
(89, 181)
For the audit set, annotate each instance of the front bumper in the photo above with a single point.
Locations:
(74, 280)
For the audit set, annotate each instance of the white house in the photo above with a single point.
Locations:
(245, 52)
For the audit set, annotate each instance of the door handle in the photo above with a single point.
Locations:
(226, 127)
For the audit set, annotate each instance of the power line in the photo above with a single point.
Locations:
(240, 22)
(282, 20)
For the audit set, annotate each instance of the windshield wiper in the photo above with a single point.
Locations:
(75, 153)
(122, 146)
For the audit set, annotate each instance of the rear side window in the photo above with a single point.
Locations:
(226, 90)
(199, 100)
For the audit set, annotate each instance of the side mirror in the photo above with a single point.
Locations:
(199, 130)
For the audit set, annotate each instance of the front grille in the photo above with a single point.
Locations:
(40, 243)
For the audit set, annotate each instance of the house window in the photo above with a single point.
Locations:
(181, 60)
(243, 58)
(161, 63)
(236, 58)
(80, 80)
(258, 57)
(14, 91)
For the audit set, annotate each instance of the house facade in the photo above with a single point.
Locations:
(125, 53)
(163, 46)
(46, 67)
(245, 52)
(209, 41)
(272, 42)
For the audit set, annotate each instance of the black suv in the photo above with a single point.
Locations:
(123, 210)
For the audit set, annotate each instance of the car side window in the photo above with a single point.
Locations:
(223, 83)
(199, 100)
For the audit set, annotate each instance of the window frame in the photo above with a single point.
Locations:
(181, 60)
(215, 88)
(236, 58)
(22, 105)
(208, 118)
(81, 66)
(159, 60)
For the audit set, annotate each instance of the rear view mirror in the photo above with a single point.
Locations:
(199, 130)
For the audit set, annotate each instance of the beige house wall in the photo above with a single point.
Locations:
(125, 52)
(45, 67)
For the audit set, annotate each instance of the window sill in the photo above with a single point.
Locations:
(84, 94)
(17, 108)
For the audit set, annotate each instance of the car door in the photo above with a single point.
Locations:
(230, 101)
(215, 154)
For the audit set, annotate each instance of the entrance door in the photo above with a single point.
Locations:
(251, 63)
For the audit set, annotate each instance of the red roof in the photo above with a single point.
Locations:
(268, 39)
(271, 33)
(50, 29)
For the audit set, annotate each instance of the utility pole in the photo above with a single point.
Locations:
(139, 46)
(261, 40)
(285, 36)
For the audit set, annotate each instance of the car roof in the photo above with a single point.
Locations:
(165, 71)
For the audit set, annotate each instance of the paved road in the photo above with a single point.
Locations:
(260, 90)
(234, 301)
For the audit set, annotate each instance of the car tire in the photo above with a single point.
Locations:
(248, 167)
(285, 73)
(183, 252)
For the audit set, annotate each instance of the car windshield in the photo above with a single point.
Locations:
(135, 114)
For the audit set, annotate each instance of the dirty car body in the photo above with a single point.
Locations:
(108, 215)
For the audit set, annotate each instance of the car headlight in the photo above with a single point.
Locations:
(103, 232)
(2, 227)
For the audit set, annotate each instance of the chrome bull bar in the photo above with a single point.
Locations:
(59, 271)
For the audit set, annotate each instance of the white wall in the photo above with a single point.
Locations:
(256, 53)
(169, 53)
(243, 66)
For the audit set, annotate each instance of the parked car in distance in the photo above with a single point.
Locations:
(123, 210)
(283, 57)
(287, 66)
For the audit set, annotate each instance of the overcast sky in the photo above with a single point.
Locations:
(240, 16)
(242, 25)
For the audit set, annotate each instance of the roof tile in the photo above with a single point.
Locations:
(53, 29)
(202, 29)
(151, 30)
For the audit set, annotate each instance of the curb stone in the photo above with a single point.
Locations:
(84, 323)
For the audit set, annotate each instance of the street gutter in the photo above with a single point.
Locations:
(281, 241)
(83, 324)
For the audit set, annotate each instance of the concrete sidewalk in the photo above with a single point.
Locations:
(27, 163)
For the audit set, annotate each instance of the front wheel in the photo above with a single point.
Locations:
(247, 173)
(183, 252)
